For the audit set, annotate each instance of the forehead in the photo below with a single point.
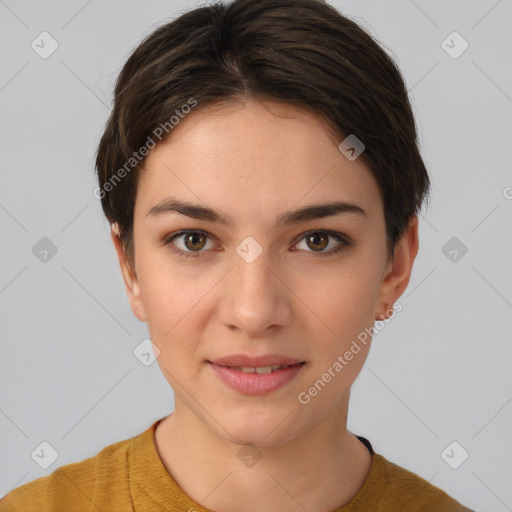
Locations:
(254, 156)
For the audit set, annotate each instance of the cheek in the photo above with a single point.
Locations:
(165, 292)
(343, 342)
(171, 306)
(345, 301)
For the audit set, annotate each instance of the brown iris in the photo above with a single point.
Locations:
(195, 241)
(315, 240)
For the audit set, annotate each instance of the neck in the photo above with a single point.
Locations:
(318, 470)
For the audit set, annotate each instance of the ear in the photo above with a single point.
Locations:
(398, 271)
(130, 279)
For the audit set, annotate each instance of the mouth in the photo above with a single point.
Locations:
(257, 380)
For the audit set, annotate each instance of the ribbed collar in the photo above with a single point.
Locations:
(153, 488)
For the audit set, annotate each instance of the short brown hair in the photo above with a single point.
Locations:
(302, 52)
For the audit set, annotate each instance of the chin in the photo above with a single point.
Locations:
(259, 429)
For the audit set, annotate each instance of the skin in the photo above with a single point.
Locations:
(254, 161)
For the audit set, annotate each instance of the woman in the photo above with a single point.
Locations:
(261, 174)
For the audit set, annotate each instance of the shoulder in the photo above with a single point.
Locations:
(410, 491)
(96, 483)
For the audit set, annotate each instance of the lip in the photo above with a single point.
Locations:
(255, 361)
(256, 383)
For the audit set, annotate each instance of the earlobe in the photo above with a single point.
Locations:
(398, 271)
(129, 276)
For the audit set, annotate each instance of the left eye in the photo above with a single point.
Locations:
(320, 239)
(193, 242)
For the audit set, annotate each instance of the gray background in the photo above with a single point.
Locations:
(440, 370)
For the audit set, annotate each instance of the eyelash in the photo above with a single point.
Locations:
(334, 234)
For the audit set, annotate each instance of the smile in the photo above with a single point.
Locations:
(256, 380)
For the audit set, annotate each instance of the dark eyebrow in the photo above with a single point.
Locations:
(311, 212)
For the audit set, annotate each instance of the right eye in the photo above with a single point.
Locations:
(192, 242)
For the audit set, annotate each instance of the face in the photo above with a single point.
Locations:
(239, 274)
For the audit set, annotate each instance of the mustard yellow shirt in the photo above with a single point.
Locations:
(129, 476)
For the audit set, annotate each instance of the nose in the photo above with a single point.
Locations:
(255, 298)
